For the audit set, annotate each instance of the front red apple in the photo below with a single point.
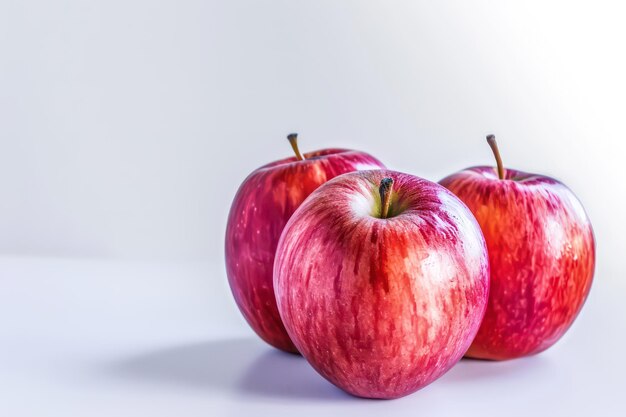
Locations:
(260, 210)
(381, 280)
(542, 256)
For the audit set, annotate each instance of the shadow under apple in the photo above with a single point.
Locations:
(244, 365)
(469, 370)
(249, 366)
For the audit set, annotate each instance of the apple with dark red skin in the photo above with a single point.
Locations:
(265, 201)
(542, 256)
(381, 280)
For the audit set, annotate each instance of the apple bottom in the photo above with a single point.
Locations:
(262, 316)
(388, 365)
(530, 309)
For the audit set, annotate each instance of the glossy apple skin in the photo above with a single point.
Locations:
(542, 256)
(381, 307)
(263, 204)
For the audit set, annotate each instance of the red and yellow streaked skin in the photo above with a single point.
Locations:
(259, 212)
(381, 307)
(542, 256)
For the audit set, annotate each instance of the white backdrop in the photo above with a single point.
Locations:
(126, 126)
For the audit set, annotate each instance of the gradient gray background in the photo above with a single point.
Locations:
(127, 126)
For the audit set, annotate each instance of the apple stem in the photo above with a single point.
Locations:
(491, 140)
(386, 185)
(293, 140)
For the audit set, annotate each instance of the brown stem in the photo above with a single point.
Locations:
(386, 185)
(293, 139)
(491, 140)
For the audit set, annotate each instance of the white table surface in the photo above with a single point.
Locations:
(118, 338)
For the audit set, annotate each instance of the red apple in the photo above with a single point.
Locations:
(542, 256)
(260, 210)
(381, 280)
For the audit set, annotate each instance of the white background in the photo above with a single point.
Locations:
(127, 126)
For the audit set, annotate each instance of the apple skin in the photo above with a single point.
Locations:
(264, 202)
(381, 307)
(542, 256)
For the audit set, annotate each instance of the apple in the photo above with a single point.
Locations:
(263, 204)
(542, 256)
(381, 280)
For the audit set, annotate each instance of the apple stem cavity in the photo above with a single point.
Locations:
(293, 140)
(386, 185)
(491, 140)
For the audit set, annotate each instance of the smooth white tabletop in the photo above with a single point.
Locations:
(104, 338)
